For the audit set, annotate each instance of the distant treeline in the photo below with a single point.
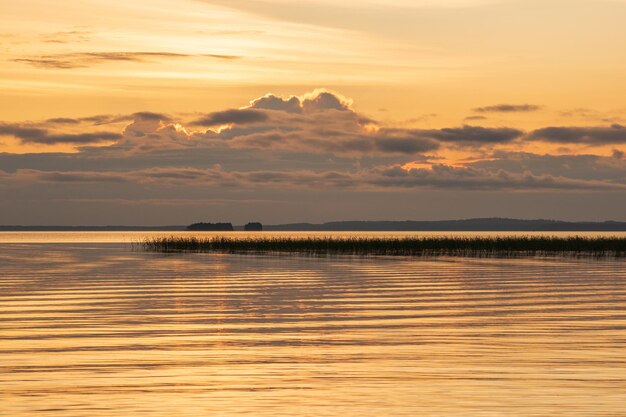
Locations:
(412, 246)
(468, 225)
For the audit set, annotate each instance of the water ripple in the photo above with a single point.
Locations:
(98, 330)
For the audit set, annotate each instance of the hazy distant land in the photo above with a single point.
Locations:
(482, 224)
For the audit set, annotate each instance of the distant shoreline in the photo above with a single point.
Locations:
(466, 225)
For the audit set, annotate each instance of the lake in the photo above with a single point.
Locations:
(90, 327)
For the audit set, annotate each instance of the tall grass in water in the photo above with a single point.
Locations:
(412, 246)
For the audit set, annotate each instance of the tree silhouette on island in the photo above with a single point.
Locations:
(211, 227)
(223, 227)
(253, 227)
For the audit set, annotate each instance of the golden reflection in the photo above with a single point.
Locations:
(93, 329)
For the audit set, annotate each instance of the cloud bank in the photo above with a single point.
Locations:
(297, 147)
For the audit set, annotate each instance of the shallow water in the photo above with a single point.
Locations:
(92, 329)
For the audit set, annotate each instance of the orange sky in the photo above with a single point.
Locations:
(541, 78)
(413, 58)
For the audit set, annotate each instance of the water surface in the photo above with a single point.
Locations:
(136, 237)
(94, 329)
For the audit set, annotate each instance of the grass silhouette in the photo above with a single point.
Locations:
(410, 246)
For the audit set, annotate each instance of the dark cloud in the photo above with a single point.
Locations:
(614, 134)
(475, 135)
(107, 119)
(150, 116)
(221, 56)
(27, 134)
(508, 108)
(272, 102)
(95, 120)
(81, 177)
(80, 138)
(580, 167)
(232, 116)
(291, 126)
(475, 118)
(309, 141)
(358, 153)
(317, 101)
(405, 145)
(318, 123)
(87, 59)
(323, 122)
(393, 177)
(448, 177)
(324, 100)
(63, 121)
(311, 151)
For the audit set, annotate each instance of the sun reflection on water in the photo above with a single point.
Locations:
(98, 330)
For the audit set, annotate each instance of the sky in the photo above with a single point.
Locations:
(170, 112)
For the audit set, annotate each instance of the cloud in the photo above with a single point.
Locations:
(323, 121)
(315, 101)
(270, 142)
(463, 178)
(88, 59)
(592, 115)
(378, 178)
(71, 36)
(82, 177)
(508, 108)
(405, 145)
(614, 134)
(178, 202)
(320, 100)
(272, 102)
(221, 56)
(28, 134)
(103, 119)
(475, 135)
(473, 118)
(320, 122)
(232, 116)
(63, 121)
(580, 167)
(146, 115)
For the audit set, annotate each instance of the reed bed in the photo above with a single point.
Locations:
(410, 246)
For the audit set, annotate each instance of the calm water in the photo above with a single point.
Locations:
(130, 237)
(95, 329)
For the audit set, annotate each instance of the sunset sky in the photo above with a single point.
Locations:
(170, 112)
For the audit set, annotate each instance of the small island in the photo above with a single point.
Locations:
(253, 227)
(211, 227)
